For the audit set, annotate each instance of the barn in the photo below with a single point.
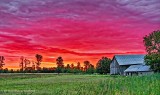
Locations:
(138, 70)
(128, 65)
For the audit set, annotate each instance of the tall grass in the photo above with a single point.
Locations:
(80, 85)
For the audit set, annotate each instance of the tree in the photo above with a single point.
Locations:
(33, 66)
(103, 65)
(60, 63)
(26, 62)
(72, 66)
(21, 63)
(91, 69)
(67, 69)
(39, 60)
(152, 44)
(154, 61)
(68, 66)
(86, 65)
(2, 62)
(78, 66)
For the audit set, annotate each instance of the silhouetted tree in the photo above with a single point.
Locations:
(86, 65)
(67, 69)
(33, 66)
(22, 63)
(78, 66)
(60, 63)
(5, 70)
(2, 62)
(39, 60)
(68, 66)
(103, 65)
(91, 69)
(11, 71)
(72, 66)
(152, 44)
(26, 62)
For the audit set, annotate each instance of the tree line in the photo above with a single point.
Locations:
(102, 66)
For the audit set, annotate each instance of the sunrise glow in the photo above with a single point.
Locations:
(77, 30)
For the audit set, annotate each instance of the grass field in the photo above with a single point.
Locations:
(51, 84)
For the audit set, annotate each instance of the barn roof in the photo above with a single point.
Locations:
(138, 68)
(130, 59)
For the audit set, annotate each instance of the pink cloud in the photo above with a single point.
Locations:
(75, 29)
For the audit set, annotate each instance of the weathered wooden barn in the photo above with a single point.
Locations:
(120, 63)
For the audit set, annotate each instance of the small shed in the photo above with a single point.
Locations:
(138, 70)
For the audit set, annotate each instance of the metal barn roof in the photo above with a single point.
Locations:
(130, 59)
(138, 68)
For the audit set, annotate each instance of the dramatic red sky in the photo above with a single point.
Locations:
(77, 30)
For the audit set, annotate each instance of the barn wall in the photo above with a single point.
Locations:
(138, 73)
(145, 73)
(114, 67)
(122, 69)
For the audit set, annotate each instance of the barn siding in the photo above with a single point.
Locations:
(115, 68)
(122, 69)
(138, 73)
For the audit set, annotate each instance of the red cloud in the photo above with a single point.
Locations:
(87, 30)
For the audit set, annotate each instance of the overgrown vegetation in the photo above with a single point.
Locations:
(50, 84)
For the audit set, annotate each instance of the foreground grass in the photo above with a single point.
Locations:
(49, 84)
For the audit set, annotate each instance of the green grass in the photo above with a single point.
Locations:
(51, 84)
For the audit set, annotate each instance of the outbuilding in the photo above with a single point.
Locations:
(138, 70)
(124, 64)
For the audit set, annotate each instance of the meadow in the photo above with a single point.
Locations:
(53, 84)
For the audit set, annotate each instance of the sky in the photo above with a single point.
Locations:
(77, 30)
